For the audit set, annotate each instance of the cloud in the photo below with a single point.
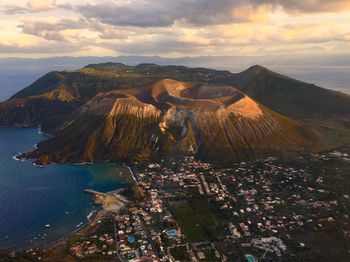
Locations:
(176, 40)
(273, 35)
(41, 5)
(32, 6)
(169, 27)
(312, 33)
(159, 45)
(39, 48)
(306, 6)
(163, 13)
(66, 28)
(53, 29)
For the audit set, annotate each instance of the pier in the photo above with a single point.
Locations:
(109, 200)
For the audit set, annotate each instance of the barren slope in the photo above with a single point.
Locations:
(217, 123)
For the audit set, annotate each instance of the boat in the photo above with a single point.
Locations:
(47, 225)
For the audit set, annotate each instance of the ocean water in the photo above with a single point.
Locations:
(31, 196)
(330, 77)
(11, 82)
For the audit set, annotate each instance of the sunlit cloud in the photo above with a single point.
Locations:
(31, 6)
(302, 6)
(173, 28)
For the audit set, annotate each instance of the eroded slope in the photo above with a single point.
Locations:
(214, 122)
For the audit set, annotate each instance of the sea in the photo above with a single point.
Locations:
(32, 197)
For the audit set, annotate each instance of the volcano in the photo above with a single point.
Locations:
(113, 112)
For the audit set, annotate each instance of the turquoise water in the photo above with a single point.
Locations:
(250, 258)
(131, 239)
(31, 197)
(171, 232)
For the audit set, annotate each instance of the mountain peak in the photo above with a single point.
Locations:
(257, 69)
(147, 65)
(108, 66)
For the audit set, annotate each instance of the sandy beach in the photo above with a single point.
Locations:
(110, 203)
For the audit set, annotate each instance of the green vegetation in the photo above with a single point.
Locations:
(73, 239)
(180, 253)
(196, 219)
(106, 226)
(202, 209)
(189, 222)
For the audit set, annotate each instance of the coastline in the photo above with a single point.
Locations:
(131, 173)
(90, 227)
(82, 230)
(90, 221)
(59, 250)
(95, 219)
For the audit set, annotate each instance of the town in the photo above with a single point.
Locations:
(191, 211)
(188, 210)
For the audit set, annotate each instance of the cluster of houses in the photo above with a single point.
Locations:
(333, 155)
(269, 244)
(103, 244)
(134, 241)
(260, 204)
(144, 228)
(263, 198)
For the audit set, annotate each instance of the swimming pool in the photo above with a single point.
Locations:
(171, 232)
(131, 239)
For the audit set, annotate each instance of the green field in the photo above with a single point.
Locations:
(180, 253)
(196, 219)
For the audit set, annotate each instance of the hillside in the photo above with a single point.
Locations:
(85, 83)
(117, 112)
(167, 118)
(277, 92)
(33, 111)
(289, 96)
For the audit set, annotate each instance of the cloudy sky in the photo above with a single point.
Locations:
(173, 28)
